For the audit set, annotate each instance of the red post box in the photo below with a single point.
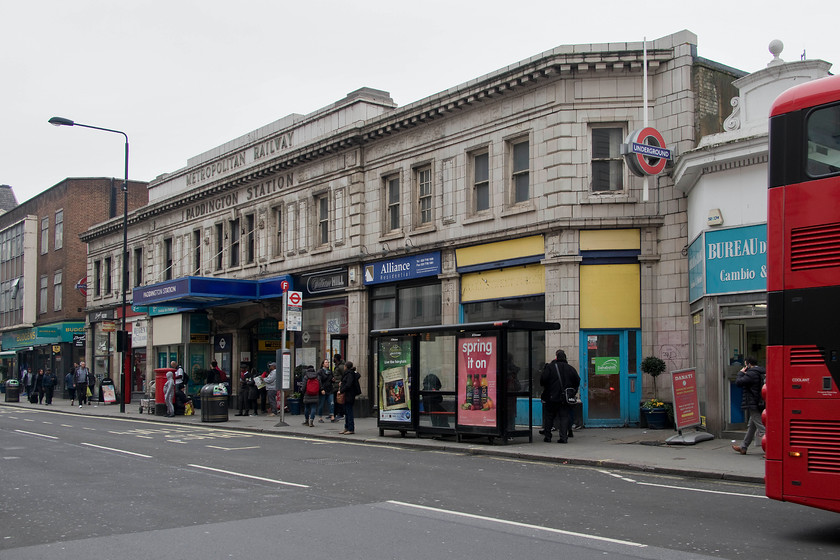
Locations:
(160, 380)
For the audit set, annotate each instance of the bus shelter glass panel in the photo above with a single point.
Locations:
(394, 367)
(437, 381)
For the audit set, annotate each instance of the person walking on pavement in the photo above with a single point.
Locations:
(80, 378)
(49, 385)
(37, 394)
(558, 376)
(70, 383)
(751, 379)
(25, 381)
(91, 387)
(349, 388)
(327, 398)
(169, 394)
(271, 388)
(338, 374)
(311, 395)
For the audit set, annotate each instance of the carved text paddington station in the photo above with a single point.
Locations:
(273, 146)
(216, 168)
(268, 188)
(205, 207)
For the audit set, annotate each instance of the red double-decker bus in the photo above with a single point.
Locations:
(802, 417)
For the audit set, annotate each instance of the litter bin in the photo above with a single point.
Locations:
(214, 407)
(12, 390)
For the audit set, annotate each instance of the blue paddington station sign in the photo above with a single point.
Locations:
(728, 261)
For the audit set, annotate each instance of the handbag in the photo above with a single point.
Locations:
(568, 392)
(339, 398)
(89, 394)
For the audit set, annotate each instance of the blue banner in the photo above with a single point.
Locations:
(404, 268)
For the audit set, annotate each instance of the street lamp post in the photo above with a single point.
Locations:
(122, 336)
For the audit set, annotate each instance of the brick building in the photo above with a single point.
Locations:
(505, 197)
(43, 271)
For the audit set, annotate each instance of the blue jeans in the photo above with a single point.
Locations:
(309, 410)
(349, 423)
(324, 399)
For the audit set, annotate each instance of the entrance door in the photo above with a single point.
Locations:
(609, 377)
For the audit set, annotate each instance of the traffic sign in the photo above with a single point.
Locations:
(296, 299)
(284, 285)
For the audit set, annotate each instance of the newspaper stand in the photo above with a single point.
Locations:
(459, 380)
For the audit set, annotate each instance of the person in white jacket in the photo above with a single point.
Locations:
(169, 395)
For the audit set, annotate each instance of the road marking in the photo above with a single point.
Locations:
(249, 476)
(674, 487)
(232, 448)
(518, 524)
(35, 434)
(118, 450)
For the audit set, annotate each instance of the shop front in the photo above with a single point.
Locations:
(325, 318)
(727, 277)
(55, 346)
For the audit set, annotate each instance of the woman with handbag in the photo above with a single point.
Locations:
(327, 392)
(349, 388)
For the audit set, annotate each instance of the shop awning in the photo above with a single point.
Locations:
(199, 292)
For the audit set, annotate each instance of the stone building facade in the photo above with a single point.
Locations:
(503, 197)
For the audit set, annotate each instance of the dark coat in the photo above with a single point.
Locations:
(350, 385)
(751, 382)
(553, 385)
(325, 376)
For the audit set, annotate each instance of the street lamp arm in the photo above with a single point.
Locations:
(61, 121)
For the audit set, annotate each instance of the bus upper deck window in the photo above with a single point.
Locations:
(824, 141)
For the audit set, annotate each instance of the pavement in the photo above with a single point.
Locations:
(634, 449)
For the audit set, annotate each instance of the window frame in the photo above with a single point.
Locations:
(219, 257)
(108, 288)
(250, 238)
(234, 243)
(475, 183)
(424, 193)
(278, 221)
(43, 291)
(97, 278)
(196, 252)
(58, 237)
(45, 235)
(392, 210)
(58, 300)
(322, 219)
(168, 259)
(514, 174)
(616, 158)
(138, 267)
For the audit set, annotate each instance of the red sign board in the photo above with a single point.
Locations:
(686, 403)
(284, 285)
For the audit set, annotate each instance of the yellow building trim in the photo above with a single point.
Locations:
(610, 239)
(610, 296)
(500, 251)
(516, 281)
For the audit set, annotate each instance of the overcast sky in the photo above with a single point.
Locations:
(183, 76)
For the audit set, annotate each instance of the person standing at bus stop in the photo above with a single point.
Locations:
(751, 379)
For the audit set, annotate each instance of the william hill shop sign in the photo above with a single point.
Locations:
(728, 261)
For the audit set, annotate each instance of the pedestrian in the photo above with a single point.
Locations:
(80, 378)
(338, 374)
(169, 394)
(246, 381)
(179, 403)
(271, 388)
(253, 392)
(70, 383)
(327, 398)
(349, 388)
(50, 382)
(180, 375)
(557, 377)
(262, 391)
(751, 379)
(37, 393)
(311, 395)
(25, 381)
(92, 387)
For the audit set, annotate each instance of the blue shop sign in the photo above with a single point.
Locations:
(696, 269)
(736, 260)
(404, 268)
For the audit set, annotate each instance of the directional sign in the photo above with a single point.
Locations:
(645, 152)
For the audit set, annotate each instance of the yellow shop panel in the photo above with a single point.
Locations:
(610, 296)
(505, 283)
(610, 240)
(500, 251)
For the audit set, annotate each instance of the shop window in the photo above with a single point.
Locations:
(404, 306)
(519, 160)
(59, 229)
(57, 295)
(607, 161)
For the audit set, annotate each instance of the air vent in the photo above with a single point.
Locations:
(807, 356)
(821, 438)
(815, 247)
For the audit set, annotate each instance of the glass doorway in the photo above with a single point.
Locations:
(609, 377)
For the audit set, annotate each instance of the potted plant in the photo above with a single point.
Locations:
(654, 411)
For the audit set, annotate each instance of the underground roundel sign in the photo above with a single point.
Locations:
(645, 152)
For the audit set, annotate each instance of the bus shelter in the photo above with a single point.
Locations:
(458, 380)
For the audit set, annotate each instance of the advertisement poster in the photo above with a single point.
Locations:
(686, 403)
(394, 374)
(108, 394)
(477, 381)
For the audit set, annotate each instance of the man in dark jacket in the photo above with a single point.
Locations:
(750, 379)
(558, 376)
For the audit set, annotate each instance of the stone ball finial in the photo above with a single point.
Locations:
(776, 47)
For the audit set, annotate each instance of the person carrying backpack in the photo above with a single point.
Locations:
(311, 395)
(751, 379)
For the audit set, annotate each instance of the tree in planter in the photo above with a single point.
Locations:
(653, 366)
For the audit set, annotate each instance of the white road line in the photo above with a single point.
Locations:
(249, 476)
(702, 490)
(34, 434)
(232, 448)
(517, 524)
(118, 450)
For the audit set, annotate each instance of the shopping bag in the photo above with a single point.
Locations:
(89, 394)
(339, 398)
(188, 409)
